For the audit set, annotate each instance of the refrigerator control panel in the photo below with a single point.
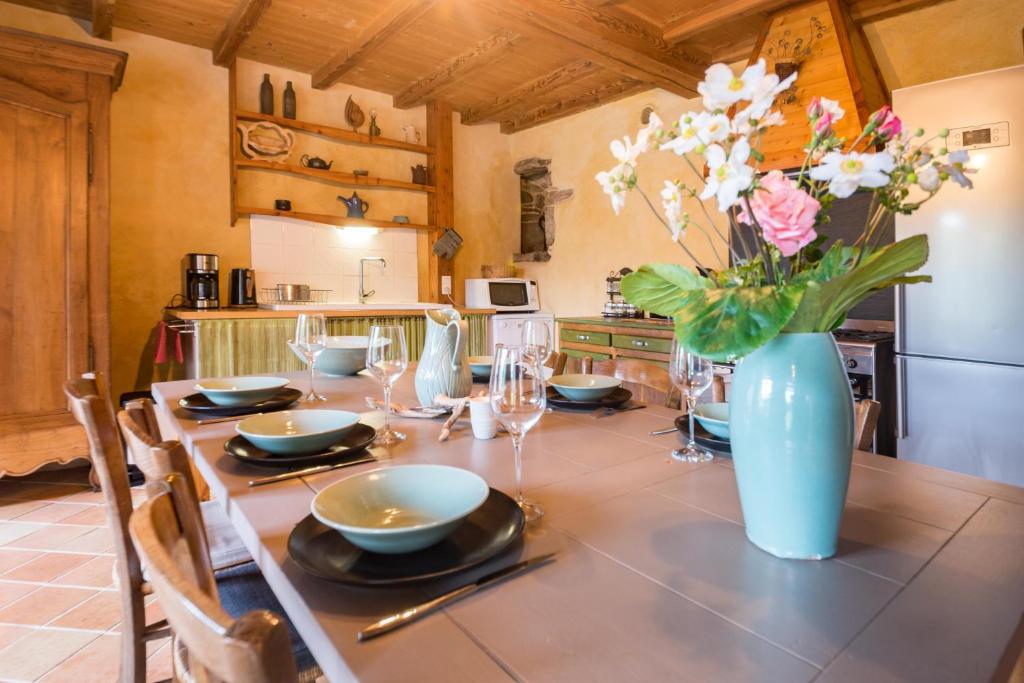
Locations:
(978, 137)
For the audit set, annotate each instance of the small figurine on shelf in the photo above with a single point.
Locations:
(353, 114)
(374, 128)
(288, 102)
(266, 96)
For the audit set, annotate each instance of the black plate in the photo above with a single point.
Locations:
(612, 400)
(197, 403)
(702, 436)
(355, 441)
(325, 553)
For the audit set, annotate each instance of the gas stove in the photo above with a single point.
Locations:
(868, 349)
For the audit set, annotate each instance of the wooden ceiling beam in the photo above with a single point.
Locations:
(529, 92)
(630, 47)
(482, 54)
(103, 18)
(602, 94)
(386, 25)
(240, 25)
(863, 11)
(689, 24)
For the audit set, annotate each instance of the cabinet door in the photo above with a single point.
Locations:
(44, 310)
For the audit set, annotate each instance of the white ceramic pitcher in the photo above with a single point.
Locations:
(444, 365)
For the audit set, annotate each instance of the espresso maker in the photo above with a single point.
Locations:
(615, 307)
(201, 281)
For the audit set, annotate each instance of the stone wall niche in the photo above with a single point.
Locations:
(537, 199)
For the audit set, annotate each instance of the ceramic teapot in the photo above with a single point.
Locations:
(356, 205)
(444, 365)
(315, 162)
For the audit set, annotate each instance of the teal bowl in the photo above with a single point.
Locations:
(343, 355)
(400, 509)
(240, 391)
(480, 366)
(713, 417)
(584, 387)
(296, 432)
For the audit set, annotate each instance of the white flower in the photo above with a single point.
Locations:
(688, 138)
(847, 172)
(747, 126)
(722, 88)
(960, 156)
(956, 169)
(763, 95)
(651, 133)
(832, 108)
(713, 128)
(672, 202)
(624, 151)
(730, 175)
(928, 178)
(615, 184)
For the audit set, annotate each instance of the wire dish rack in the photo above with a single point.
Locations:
(316, 296)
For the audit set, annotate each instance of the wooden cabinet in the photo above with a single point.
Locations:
(604, 338)
(54, 238)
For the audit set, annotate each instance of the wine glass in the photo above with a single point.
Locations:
(518, 400)
(311, 339)
(386, 359)
(693, 375)
(537, 340)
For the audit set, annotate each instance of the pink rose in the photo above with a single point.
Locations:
(887, 125)
(814, 109)
(823, 126)
(785, 212)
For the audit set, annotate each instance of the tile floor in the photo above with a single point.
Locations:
(59, 610)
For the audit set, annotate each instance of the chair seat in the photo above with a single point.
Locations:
(226, 548)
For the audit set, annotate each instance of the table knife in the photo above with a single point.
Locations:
(407, 616)
(309, 470)
(660, 432)
(609, 411)
(215, 420)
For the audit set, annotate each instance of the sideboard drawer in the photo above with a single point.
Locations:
(636, 343)
(596, 338)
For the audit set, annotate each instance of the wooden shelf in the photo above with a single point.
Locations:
(333, 132)
(329, 219)
(336, 177)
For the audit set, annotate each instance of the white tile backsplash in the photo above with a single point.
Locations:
(325, 257)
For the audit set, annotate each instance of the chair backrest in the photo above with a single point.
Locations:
(557, 362)
(865, 420)
(96, 415)
(650, 382)
(168, 534)
(155, 458)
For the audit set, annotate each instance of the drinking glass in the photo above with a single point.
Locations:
(693, 375)
(311, 339)
(386, 359)
(518, 400)
(537, 340)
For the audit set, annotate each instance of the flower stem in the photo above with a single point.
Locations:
(657, 215)
(769, 265)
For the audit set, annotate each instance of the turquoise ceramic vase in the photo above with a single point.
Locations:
(791, 422)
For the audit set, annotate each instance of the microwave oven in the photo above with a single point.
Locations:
(504, 294)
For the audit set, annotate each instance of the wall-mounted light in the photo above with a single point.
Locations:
(359, 230)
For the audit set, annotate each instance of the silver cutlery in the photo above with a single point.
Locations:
(309, 470)
(215, 420)
(660, 432)
(407, 616)
(609, 411)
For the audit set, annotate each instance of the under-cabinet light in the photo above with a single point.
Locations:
(359, 230)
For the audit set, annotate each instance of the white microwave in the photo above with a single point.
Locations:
(503, 294)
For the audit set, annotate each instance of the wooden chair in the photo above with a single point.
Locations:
(557, 362)
(157, 459)
(108, 460)
(650, 382)
(865, 420)
(210, 645)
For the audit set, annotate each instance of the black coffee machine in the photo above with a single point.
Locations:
(201, 281)
(243, 288)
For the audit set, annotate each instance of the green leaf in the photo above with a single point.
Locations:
(661, 287)
(725, 324)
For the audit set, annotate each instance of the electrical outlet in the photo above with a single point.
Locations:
(446, 284)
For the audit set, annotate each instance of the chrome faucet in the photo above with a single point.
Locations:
(363, 294)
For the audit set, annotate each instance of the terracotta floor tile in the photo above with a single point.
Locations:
(96, 540)
(56, 512)
(84, 495)
(9, 592)
(93, 515)
(158, 665)
(97, 572)
(35, 654)
(9, 559)
(9, 509)
(98, 661)
(12, 532)
(48, 537)
(9, 634)
(47, 567)
(99, 612)
(43, 605)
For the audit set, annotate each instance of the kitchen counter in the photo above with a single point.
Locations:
(342, 311)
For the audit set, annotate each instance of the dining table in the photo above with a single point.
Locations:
(653, 577)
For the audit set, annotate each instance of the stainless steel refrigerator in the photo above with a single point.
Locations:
(960, 339)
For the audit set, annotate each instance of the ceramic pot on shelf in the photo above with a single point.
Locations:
(444, 364)
(791, 425)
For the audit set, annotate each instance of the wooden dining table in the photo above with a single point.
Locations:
(654, 579)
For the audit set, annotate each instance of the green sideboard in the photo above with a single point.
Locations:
(605, 338)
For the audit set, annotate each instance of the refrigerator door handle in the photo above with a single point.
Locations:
(900, 318)
(901, 398)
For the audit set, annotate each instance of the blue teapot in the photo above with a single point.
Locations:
(356, 205)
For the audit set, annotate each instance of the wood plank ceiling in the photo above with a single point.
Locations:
(519, 63)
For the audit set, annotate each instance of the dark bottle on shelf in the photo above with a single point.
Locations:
(288, 102)
(266, 96)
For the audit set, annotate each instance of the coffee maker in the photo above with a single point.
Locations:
(243, 288)
(201, 281)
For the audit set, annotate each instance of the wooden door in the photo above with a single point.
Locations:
(44, 286)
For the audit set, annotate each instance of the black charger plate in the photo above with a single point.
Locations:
(701, 436)
(612, 400)
(355, 441)
(490, 529)
(199, 404)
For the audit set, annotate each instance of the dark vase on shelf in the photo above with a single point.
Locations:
(266, 96)
(288, 102)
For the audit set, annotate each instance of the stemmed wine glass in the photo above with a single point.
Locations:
(386, 359)
(693, 375)
(518, 400)
(311, 339)
(537, 340)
